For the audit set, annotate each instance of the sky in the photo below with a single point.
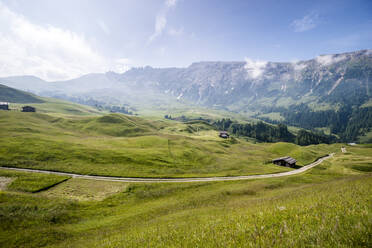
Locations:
(59, 40)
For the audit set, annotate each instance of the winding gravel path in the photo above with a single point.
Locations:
(174, 180)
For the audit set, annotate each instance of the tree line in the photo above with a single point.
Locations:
(272, 133)
(347, 122)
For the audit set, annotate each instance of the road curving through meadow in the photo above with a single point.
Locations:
(174, 180)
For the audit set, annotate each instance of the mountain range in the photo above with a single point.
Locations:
(339, 84)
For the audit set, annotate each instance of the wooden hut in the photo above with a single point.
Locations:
(4, 106)
(28, 109)
(285, 161)
(224, 134)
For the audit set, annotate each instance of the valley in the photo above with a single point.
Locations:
(59, 210)
(185, 124)
(74, 175)
(119, 145)
(328, 92)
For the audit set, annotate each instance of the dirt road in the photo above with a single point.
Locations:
(174, 180)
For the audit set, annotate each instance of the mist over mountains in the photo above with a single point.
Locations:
(232, 85)
(339, 83)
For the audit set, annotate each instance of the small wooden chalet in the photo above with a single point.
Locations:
(4, 106)
(224, 134)
(285, 161)
(28, 109)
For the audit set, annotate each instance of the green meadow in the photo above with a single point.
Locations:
(120, 145)
(328, 206)
(31, 182)
(57, 107)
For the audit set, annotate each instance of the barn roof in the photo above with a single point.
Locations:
(287, 159)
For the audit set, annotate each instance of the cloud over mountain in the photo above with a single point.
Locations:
(255, 68)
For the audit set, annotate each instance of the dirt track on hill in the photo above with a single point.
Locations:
(174, 180)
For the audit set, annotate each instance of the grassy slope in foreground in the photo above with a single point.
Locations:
(119, 145)
(329, 206)
(31, 182)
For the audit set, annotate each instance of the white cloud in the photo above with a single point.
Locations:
(103, 26)
(306, 23)
(161, 19)
(255, 68)
(48, 52)
(121, 65)
(298, 66)
(170, 3)
(326, 60)
(160, 23)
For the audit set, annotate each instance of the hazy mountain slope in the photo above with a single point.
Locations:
(26, 83)
(16, 96)
(322, 92)
(241, 85)
(325, 92)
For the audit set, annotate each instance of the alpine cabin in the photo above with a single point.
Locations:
(28, 109)
(4, 106)
(285, 161)
(224, 134)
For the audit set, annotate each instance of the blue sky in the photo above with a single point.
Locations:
(58, 40)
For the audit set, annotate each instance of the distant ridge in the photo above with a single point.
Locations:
(331, 93)
(8, 94)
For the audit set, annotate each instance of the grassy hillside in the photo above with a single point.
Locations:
(8, 94)
(329, 206)
(119, 145)
(18, 98)
(57, 107)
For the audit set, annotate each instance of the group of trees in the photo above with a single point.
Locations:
(272, 133)
(304, 138)
(302, 116)
(260, 131)
(119, 109)
(359, 123)
(183, 118)
(347, 122)
(179, 118)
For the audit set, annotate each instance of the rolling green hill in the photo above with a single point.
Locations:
(70, 137)
(120, 145)
(57, 107)
(328, 206)
(18, 98)
(8, 94)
